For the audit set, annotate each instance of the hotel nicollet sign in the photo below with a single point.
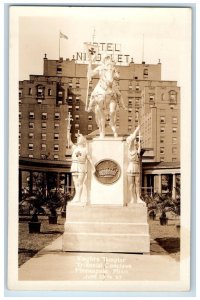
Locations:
(110, 48)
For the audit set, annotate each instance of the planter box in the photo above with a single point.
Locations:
(53, 219)
(34, 227)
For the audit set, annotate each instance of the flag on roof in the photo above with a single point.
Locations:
(63, 36)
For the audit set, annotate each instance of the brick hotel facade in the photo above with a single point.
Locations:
(45, 100)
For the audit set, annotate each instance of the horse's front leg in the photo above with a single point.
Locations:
(100, 118)
(113, 116)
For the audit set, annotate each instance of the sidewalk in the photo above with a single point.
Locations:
(52, 264)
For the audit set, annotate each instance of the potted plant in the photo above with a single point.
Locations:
(152, 214)
(36, 202)
(163, 218)
(54, 201)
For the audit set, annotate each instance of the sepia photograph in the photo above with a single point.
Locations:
(99, 148)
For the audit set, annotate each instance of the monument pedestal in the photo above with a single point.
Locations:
(107, 229)
(106, 223)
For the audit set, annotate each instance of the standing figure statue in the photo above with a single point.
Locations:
(80, 157)
(133, 170)
(106, 97)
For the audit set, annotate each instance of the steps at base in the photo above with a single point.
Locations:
(95, 242)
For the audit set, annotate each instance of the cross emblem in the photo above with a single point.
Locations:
(68, 119)
(92, 51)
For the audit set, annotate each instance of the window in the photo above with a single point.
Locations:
(77, 107)
(19, 147)
(31, 135)
(162, 150)
(44, 136)
(151, 97)
(31, 125)
(77, 117)
(56, 147)
(70, 98)
(137, 87)
(56, 136)
(57, 116)
(43, 147)
(130, 110)
(130, 85)
(174, 140)
(76, 126)
(20, 115)
(145, 73)
(20, 124)
(60, 93)
(30, 91)
(174, 120)
(137, 100)
(19, 135)
(30, 146)
(172, 97)
(30, 155)
(44, 125)
(49, 92)
(129, 127)
(77, 98)
(59, 69)
(89, 127)
(44, 116)
(31, 115)
(69, 106)
(162, 120)
(56, 126)
(40, 91)
(130, 102)
(20, 93)
(39, 101)
(90, 118)
(70, 84)
(174, 129)
(174, 150)
(161, 158)
(77, 85)
(162, 139)
(56, 156)
(129, 118)
(162, 129)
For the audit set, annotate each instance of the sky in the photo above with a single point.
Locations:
(155, 33)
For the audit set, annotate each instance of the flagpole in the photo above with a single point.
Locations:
(59, 45)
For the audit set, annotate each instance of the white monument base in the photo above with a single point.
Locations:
(107, 229)
(103, 222)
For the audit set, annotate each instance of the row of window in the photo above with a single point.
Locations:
(44, 156)
(43, 147)
(174, 140)
(163, 120)
(174, 150)
(163, 159)
(43, 115)
(162, 129)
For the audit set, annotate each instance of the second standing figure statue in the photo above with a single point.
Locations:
(133, 170)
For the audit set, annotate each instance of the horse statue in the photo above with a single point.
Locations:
(106, 97)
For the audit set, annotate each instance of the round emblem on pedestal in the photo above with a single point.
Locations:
(107, 171)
